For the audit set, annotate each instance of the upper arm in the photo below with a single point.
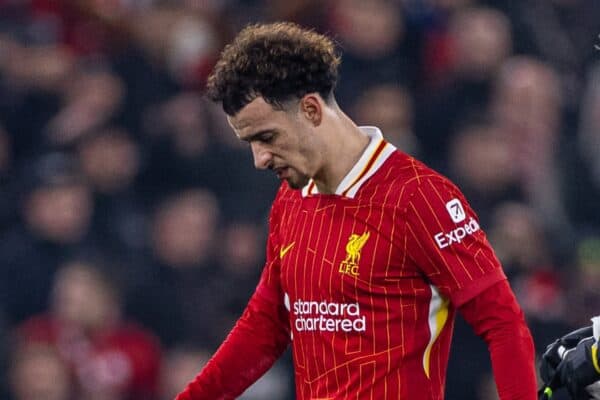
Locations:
(447, 243)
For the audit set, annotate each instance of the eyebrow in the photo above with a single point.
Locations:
(256, 135)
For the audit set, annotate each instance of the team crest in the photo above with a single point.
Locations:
(353, 248)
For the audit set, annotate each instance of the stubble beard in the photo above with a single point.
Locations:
(298, 181)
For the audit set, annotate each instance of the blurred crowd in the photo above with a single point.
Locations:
(133, 223)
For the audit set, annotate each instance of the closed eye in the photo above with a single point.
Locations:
(265, 136)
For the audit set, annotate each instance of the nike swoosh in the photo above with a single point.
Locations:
(284, 251)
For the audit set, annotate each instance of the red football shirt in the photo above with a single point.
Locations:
(371, 277)
(365, 284)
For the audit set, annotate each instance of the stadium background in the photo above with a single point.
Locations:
(133, 224)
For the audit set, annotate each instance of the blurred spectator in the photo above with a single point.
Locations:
(530, 262)
(56, 208)
(184, 229)
(242, 259)
(433, 20)
(480, 40)
(373, 35)
(589, 136)
(171, 293)
(390, 108)
(183, 39)
(583, 182)
(38, 372)
(58, 205)
(518, 239)
(179, 148)
(189, 146)
(561, 32)
(43, 67)
(90, 100)
(111, 161)
(32, 80)
(526, 107)
(480, 160)
(241, 247)
(110, 357)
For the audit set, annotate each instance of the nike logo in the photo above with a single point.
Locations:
(283, 251)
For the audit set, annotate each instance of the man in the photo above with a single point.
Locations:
(573, 362)
(370, 253)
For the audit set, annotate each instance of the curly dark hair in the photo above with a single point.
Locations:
(279, 61)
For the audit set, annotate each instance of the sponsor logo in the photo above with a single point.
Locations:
(456, 211)
(353, 248)
(457, 235)
(283, 251)
(324, 316)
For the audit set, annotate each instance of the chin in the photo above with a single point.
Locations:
(297, 182)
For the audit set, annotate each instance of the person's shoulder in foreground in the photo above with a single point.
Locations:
(370, 253)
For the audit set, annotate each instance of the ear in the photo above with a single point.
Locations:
(311, 107)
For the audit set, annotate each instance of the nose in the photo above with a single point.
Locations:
(262, 157)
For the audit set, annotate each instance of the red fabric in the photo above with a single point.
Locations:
(455, 256)
(403, 277)
(497, 318)
(124, 359)
(370, 319)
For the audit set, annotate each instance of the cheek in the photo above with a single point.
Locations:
(302, 141)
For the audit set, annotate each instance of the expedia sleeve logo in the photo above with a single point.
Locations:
(457, 235)
(456, 211)
(458, 215)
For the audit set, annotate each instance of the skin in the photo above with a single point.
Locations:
(308, 139)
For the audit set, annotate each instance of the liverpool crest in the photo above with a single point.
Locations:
(355, 244)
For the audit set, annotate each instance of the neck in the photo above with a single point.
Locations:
(344, 144)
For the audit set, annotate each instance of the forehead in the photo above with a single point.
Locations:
(255, 116)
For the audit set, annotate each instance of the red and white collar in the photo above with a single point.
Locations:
(370, 161)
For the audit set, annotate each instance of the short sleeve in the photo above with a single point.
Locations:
(446, 242)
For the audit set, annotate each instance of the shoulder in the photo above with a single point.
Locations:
(415, 172)
(403, 176)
